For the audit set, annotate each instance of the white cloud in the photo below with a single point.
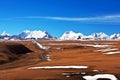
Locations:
(108, 17)
(95, 19)
(67, 19)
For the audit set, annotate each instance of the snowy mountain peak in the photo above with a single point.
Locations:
(115, 36)
(36, 34)
(70, 35)
(100, 36)
(4, 33)
(69, 32)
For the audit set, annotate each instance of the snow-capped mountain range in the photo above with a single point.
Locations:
(68, 35)
(36, 34)
(27, 35)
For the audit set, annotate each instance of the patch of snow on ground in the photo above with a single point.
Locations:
(62, 44)
(59, 67)
(83, 73)
(99, 46)
(108, 43)
(38, 45)
(95, 70)
(117, 52)
(58, 48)
(96, 45)
(95, 77)
(107, 49)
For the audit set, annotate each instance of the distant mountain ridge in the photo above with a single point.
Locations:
(68, 35)
(27, 35)
(36, 34)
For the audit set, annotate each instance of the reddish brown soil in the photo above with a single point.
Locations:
(10, 51)
(62, 54)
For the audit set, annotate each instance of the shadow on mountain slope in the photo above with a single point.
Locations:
(10, 51)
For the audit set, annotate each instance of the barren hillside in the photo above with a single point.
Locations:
(101, 57)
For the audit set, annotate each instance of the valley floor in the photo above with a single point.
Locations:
(98, 57)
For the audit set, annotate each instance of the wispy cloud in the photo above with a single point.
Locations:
(96, 19)
(108, 17)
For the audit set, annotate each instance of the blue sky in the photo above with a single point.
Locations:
(58, 16)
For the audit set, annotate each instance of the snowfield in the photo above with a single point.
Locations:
(95, 77)
(39, 45)
(59, 67)
(96, 45)
(107, 49)
(116, 52)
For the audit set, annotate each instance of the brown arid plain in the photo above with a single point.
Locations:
(16, 57)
